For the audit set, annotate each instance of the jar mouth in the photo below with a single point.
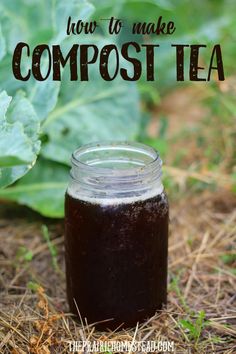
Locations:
(120, 156)
(117, 170)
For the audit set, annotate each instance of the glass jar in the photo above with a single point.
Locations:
(116, 234)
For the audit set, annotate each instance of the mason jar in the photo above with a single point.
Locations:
(116, 234)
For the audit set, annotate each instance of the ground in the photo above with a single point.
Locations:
(200, 316)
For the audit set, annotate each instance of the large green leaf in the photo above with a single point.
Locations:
(21, 110)
(42, 189)
(28, 21)
(33, 29)
(19, 142)
(15, 147)
(90, 111)
(76, 9)
(49, 27)
(44, 95)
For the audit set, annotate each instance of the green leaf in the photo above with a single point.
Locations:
(4, 104)
(24, 254)
(49, 27)
(42, 189)
(200, 319)
(22, 111)
(2, 44)
(33, 286)
(160, 144)
(8, 81)
(133, 8)
(19, 142)
(91, 111)
(43, 95)
(30, 18)
(228, 258)
(76, 9)
(189, 326)
(15, 147)
(164, 123)
(52, 248)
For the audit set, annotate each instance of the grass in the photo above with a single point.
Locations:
(51, 247)
(200, 316)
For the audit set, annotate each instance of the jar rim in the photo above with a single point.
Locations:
(115, 145)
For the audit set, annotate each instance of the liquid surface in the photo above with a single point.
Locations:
(116, 259)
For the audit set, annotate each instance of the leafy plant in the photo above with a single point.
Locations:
(195, 327)
(19, 137)
(228, 258)
(50, 118)
(23, 254)
(41, 123)
(51, 247)
(33, 286)
(175, 286)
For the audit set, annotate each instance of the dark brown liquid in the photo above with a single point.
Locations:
(116, 259)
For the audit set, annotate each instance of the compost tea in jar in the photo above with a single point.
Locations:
(116, 219)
